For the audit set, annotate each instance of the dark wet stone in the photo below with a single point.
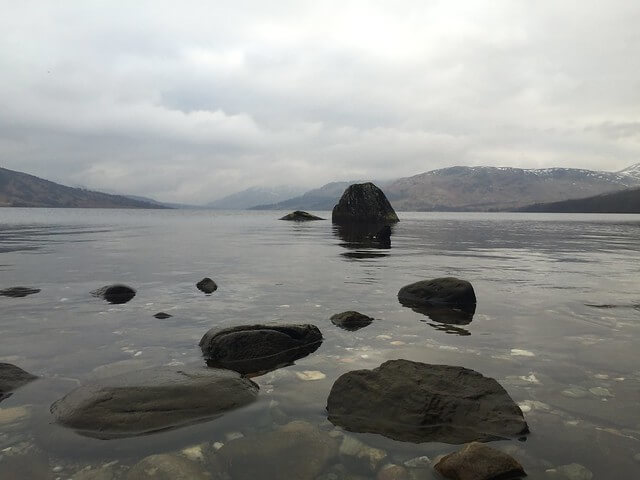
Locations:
(363, 203)
(439, 292)
(300, 216)
(151, 400)
(12, 377)
(162, 315)
(259, 348)
(115, 294)
(297, 450)
(418, 402)
(207, 285)
(477, 461)
(18, 292)
(351, 320)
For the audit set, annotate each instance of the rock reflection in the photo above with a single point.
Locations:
(369, 240)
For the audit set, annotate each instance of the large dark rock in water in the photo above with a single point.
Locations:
(477, 461)
(18, 292)
(300, 216)
(12, 377)
(259, 348)
(207, 285)
(418, 402)
(440, 294)
(363, 203)
(351, 320)
(115, 294)
(153, 399)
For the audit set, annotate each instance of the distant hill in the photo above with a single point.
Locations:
(501, 188)
(19, 189)
(323, 198)
(254, 196)
(626, 201)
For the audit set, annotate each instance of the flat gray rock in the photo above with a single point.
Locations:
(152, 399)
(418, 402)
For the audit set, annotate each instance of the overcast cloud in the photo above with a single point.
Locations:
(189, 101)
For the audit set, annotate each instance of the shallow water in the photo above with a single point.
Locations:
(557, 321)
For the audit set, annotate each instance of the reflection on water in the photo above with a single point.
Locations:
(571, 368)
(364, 241)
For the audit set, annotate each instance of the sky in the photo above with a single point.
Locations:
(189, 101)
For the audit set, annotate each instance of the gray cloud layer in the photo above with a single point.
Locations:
(189, 101)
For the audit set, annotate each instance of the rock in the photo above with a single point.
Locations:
(300, 216)
(18, 292)
(444, 300)
(351, 320)
(115, 294)
(361, 456)
(162, 315)
(363, 203)
(477, 461)
(207, 285)
(310, 375)
(167, 466)
(152, 399)
(100, 473)
(574, 471)
(12, 377)
(418, 402)
(259, 348)
(392, 472)
(297, 450)
(418, 462)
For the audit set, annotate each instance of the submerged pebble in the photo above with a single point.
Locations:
(522, 353)
(309, 375)
(600, 392)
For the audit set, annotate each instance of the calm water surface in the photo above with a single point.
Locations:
(558, 317)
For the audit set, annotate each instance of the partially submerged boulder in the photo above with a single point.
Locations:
(300, 216)
(207, 285)
(297, 450)
(446, 300)
(259, 348)
(116, 294)
(363, 203)
(418, 402)
(153, 399)
(477, 461)
(351, 320)
(18, 292)
(11, 378)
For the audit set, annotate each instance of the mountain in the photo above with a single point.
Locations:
(633, 171)
(254, 196)
(501, 188)
(626, 201)
(19, 189)
(319, 199)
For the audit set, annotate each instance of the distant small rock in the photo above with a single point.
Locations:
(207, 285)
(18, 292)
(363, 203)
(162, 315)
(300, 216)
(351, 320)
(116, 294)
(476, 461)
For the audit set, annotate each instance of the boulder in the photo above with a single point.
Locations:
(351, 320)
(153, 399)
(363, 203)
(207, 285)
(440, 299)
(18, 292)
(12, 377)
(418, 402)
(477, 461)
(115, 294)
(255, 349)
(297, 450)
(300, 216)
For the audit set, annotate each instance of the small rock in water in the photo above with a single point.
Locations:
(392, 472)
(193, 453)
(233, 436)
(105, 472)
(351, 320)
(115, 294)
(574, 392)
(574, 471)
(356, 452)
(308, 375)
(207, 285)
(167, 466)
(300, 216)
(12, 377)
(600, 392)
(418, 462)
(18, 292)
(476, 461)
(162, 315)
(517, 352)
(13, 414)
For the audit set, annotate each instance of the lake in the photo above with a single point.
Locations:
(557, 324)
